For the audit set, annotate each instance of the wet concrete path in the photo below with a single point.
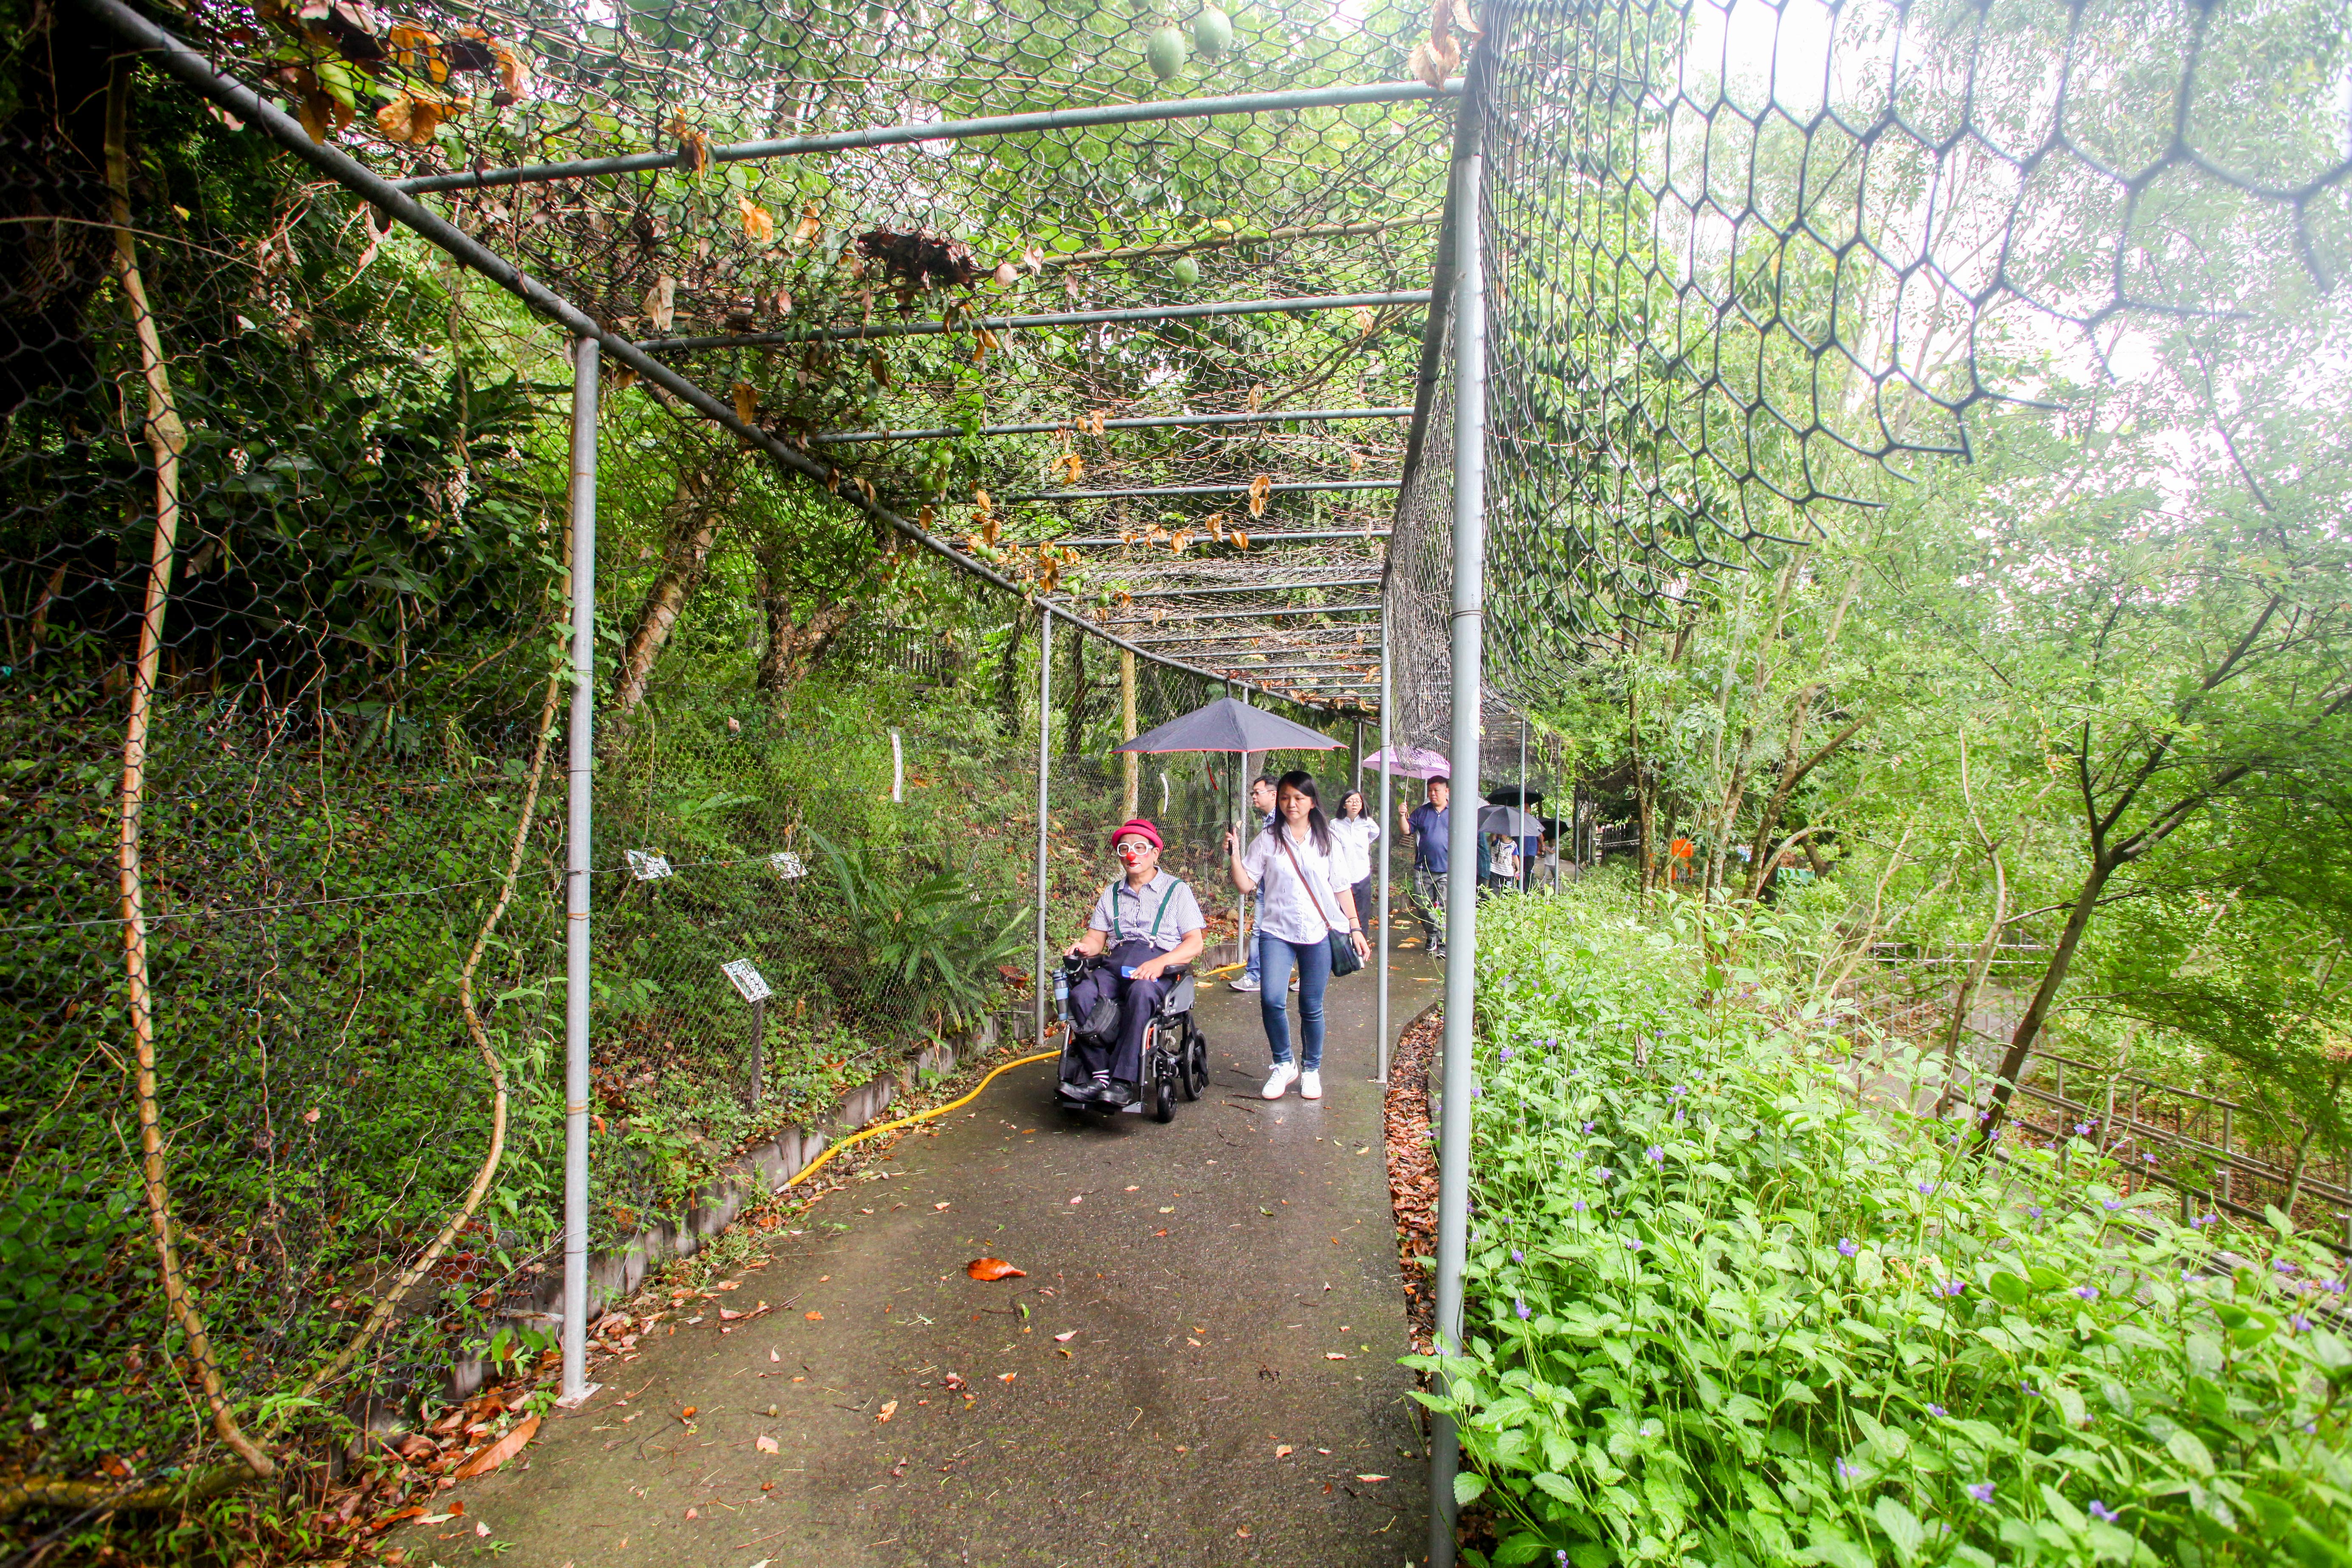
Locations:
(1199, 1297)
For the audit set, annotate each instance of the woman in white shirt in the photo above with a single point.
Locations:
(1291, 866)
(1353, 833)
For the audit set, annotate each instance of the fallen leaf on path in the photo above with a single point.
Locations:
(1134, 1189)
(888, 1411)
(765, 1444)
(1371, 1478)
(1283, 1450)
(728, 1314)
(729, 1285)
(481, 1530)
(388, 1521)
(773, 1355)
(1065, 1338)
(436, 1519)
(1170, 1209)
(499, 1452)
(1006, 1376)
(1333, 1355)
(1077, 1200)
(693, 1513)
(939, 1206)
(814, 1317)
(993, 1269)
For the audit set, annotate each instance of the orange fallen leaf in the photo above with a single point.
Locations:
(887, 1411)
(687, 1414)
(499, 1452)
(1064, 1339)
(1283, 1450)
(993, 1269)
(814, 1317)
(1006, 1376)
(765, 1444)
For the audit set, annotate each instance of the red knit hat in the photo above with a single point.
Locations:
(1141, 828)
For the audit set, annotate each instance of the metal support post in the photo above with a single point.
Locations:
(1387, 852)
(1462, 873)
(1044, 779)
(580, 788)
(1527, 871)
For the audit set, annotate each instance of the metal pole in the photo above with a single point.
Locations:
(1527, 871)
(1461, 874)
(1131, 315)
(952, 131)
(1388, 851)
(1044, 779)
(580, 788)
(1154, 422)
(1229, 487)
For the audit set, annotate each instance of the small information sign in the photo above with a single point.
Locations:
(788, 865)
(646, 866)
(746, 980)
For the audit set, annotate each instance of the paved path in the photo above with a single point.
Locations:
(1208, 1274)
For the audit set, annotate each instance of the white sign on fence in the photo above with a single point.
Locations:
(746, 980)
(787, 864)
(646, 866)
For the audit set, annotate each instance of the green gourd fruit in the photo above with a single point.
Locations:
(1186, 272)
(1212, 33)
(1164, 51)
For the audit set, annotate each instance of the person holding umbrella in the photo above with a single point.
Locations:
(1301, 909)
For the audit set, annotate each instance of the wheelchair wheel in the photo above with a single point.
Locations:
(1163, 1096)
(1186, 1084)
(1196, 1063)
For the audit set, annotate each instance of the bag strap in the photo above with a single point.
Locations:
(1282, 837)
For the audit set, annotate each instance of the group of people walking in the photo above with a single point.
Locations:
(1310, 876)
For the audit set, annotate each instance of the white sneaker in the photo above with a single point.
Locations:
(1284, 1074)
(1310, 1085)
(1244, 983)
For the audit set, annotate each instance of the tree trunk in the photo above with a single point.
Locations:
(693, 522)
(794, 647)
(1131, 765)
(1074, 727)
(2029, 1028)
(1008, 677)
(1973, 982)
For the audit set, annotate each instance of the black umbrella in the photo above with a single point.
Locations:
(1508, 795)
(1230, 725)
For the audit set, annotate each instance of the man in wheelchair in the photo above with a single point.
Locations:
(1145, 928)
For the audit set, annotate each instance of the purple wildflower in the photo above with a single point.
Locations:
(2298, 1324)
(1949, 1288)
(1927, 1187)
(1937, 1410)
(1588, 1127)
(1655, 1155)
(2087, 1292)
(2082, 1130)
(1846, 1473)
(2033, 1209)
(1632, 1244)
(1677, 1091)
(2102, 1512)
(1980, 1491)
(2335, 1284)
(1517, 1256)
(1580, 1205)
(1846, 1249)
(2111, 1205)
(1521, 1307)
(2150, 1158)
(1602, 1173)
(2282, 1265)
(2031, 1392)
(1507, 1053)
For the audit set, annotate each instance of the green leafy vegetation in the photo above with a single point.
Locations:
(1719, 1312)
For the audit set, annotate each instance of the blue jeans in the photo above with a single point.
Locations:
(1314, 958)
(1249, 971)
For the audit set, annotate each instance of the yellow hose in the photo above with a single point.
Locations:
(921, 1116)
